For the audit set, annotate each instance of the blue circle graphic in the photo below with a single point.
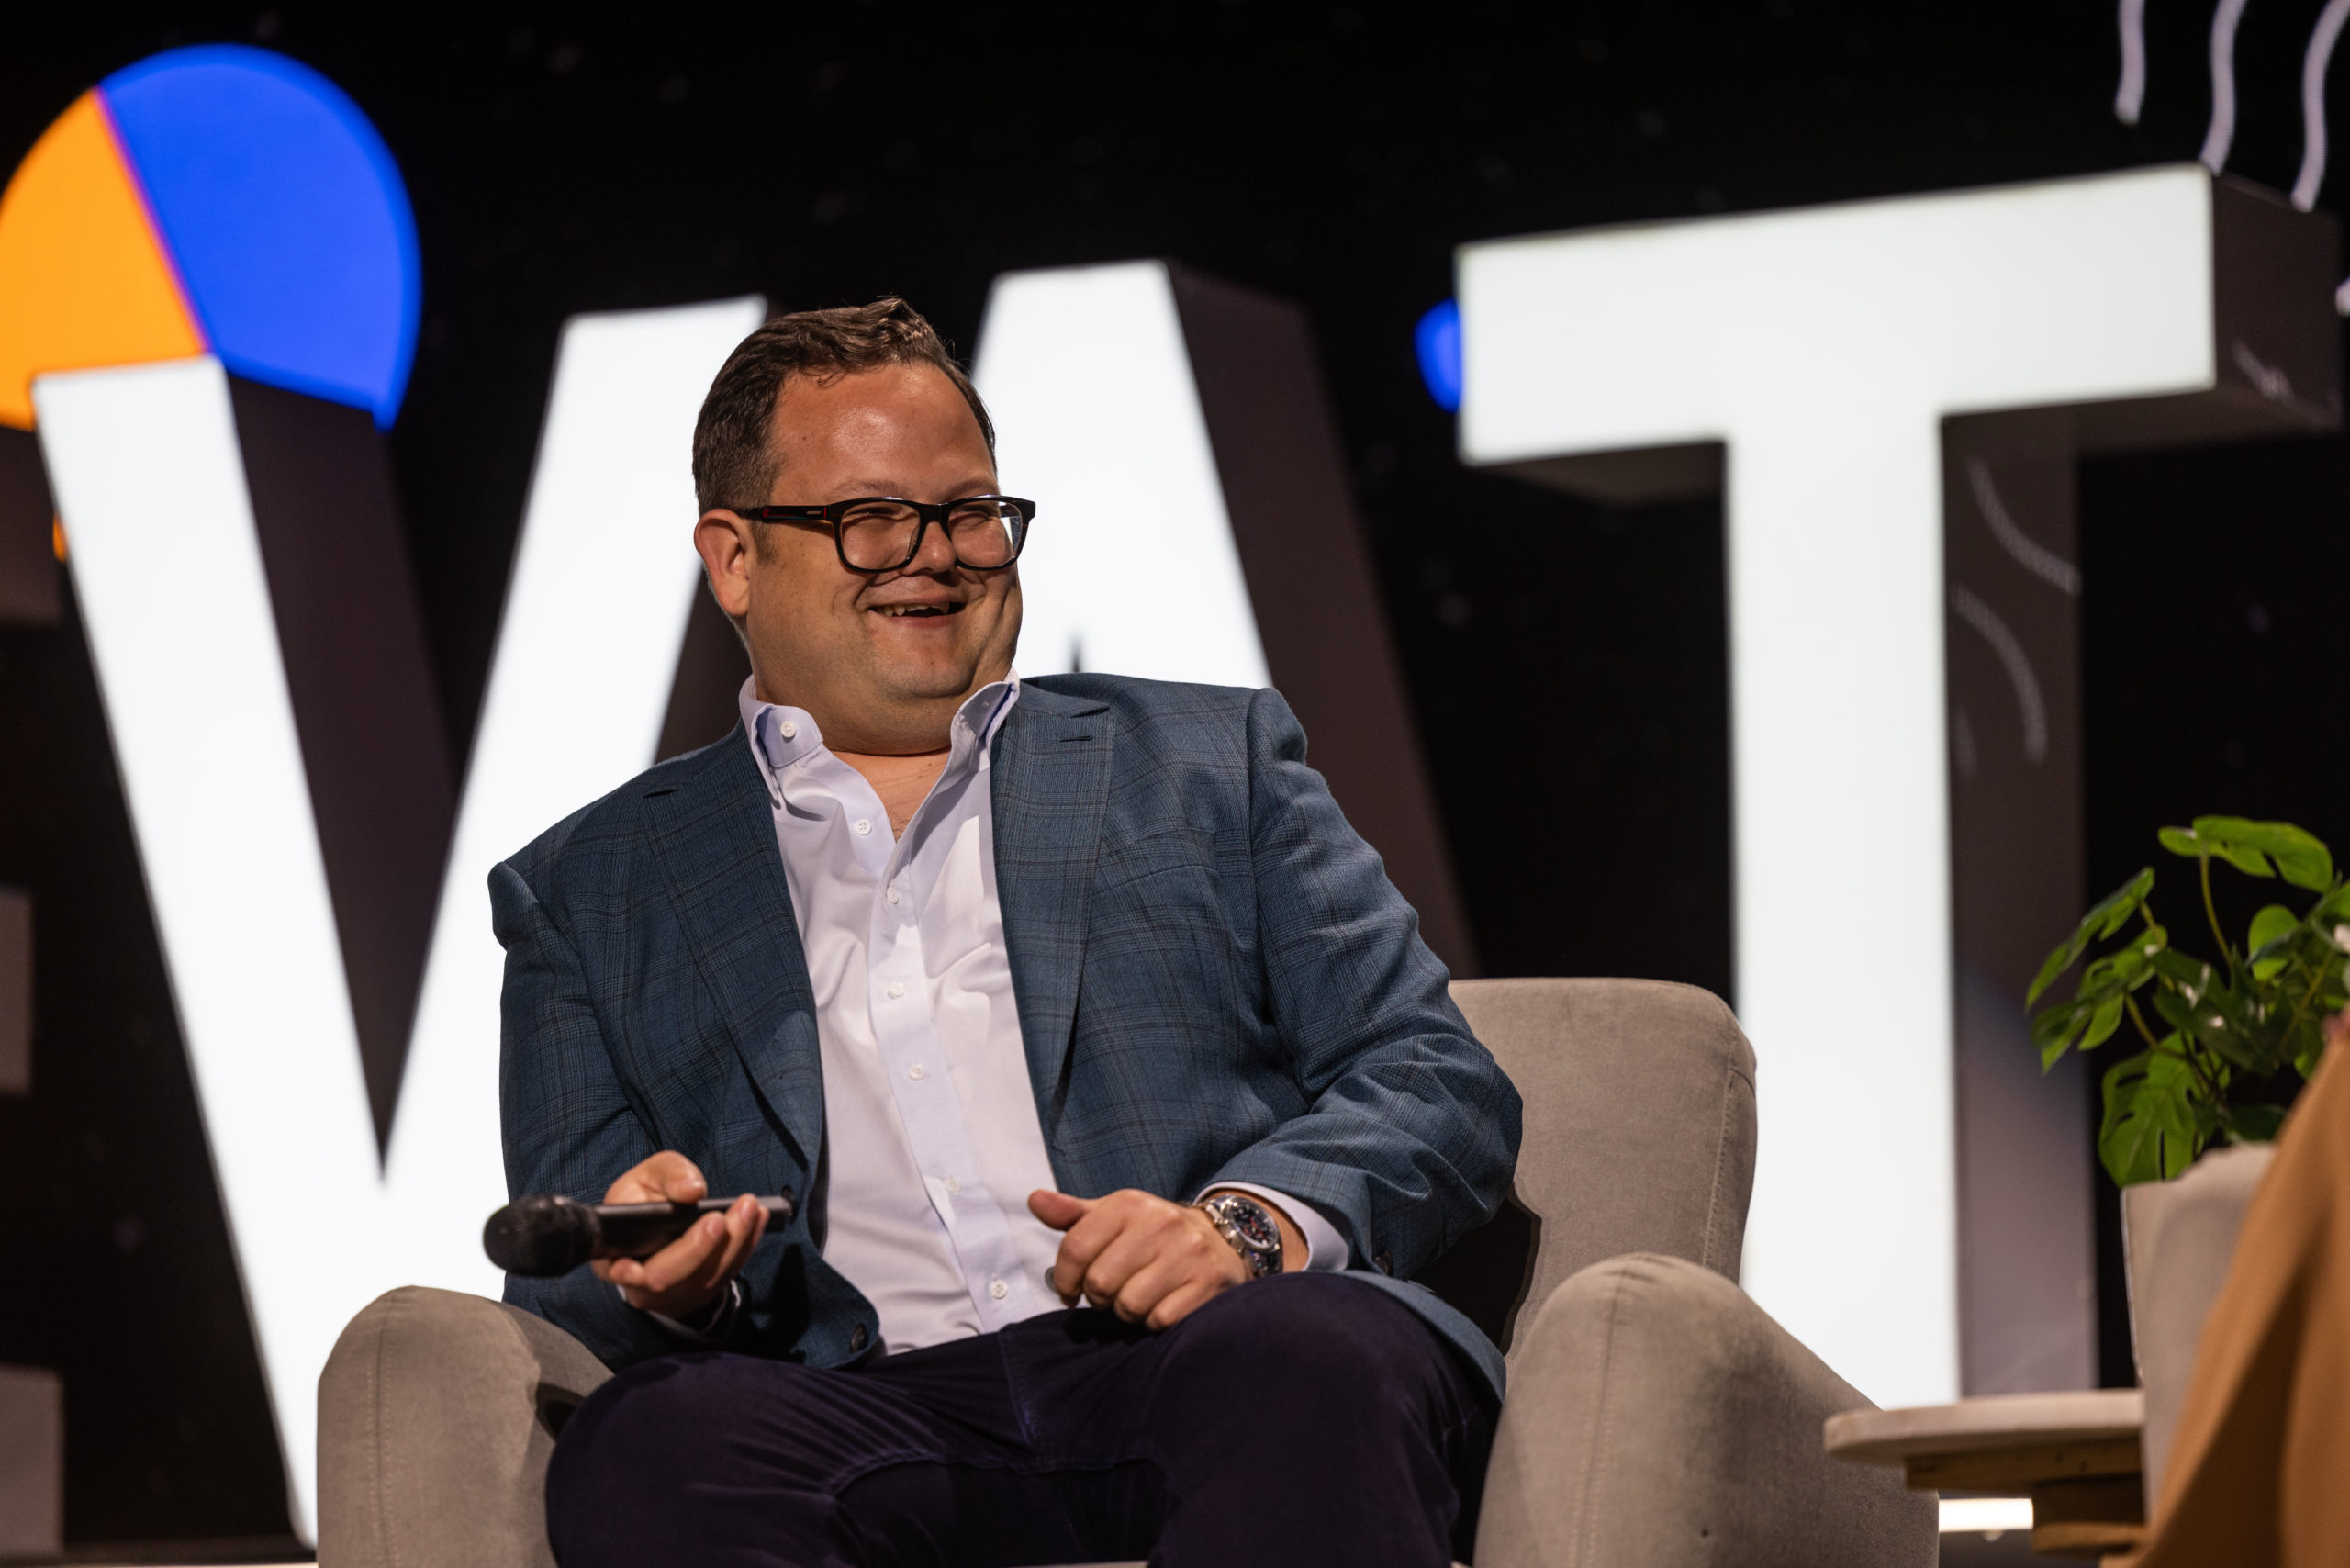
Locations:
(284, 214)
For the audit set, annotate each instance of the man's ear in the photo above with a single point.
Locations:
(727, 547)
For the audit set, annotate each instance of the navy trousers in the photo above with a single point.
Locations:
(1300, 1421)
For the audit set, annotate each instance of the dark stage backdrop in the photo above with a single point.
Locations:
(1567, 661)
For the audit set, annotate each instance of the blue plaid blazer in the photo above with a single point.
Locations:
(1216, 982)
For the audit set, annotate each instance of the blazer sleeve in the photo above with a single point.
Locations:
(1412, 1129)
(567, 1126)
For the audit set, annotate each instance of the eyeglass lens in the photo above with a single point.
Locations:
(879, 536)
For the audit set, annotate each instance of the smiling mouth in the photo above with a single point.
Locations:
(915, 611)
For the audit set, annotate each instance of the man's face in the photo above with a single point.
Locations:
(881, 660)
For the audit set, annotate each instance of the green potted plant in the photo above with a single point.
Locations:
(2221, 1040)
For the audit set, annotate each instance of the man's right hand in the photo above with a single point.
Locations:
(686, 1275)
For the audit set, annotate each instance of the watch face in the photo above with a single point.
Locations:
(1254, 1225)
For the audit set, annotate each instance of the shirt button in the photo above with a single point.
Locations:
(787, 730)
(857, 1338)
(896, 991)
(864, 826)
(953, 1186)
(998, 1290)
(892, 895)
(917, 1072)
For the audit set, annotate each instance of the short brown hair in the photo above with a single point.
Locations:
(733, 462)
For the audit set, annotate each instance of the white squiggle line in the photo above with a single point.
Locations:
(2130, 96)
(2272, 383)
(2314, 64)
(1985, 620)
(2029, 552)
(2224, 84)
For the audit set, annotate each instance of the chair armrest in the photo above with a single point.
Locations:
(1658, 1417)
(437, 1414)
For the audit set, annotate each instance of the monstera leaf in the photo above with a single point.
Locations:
(2251, 847)
(2153, 1127)
(2110, 914)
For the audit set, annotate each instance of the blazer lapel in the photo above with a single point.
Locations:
(713, 836)
(1050, 775)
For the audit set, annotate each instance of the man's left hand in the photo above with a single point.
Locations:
(1150, 1260)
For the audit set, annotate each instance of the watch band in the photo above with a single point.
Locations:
(1249, 1227)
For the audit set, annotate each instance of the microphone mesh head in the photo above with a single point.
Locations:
(540, 1237)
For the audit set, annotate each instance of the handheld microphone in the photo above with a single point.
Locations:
(544, 1236)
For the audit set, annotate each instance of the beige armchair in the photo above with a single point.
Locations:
(1655, 1417)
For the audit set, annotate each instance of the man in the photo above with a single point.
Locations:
(1120, 1092)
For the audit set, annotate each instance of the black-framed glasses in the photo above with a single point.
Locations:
(883, 534)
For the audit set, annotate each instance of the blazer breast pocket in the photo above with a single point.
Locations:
(1168, 852)
(1167, 900)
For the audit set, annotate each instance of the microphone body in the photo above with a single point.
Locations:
(543, 1236)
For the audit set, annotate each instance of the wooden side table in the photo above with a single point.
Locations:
(2076, 1455)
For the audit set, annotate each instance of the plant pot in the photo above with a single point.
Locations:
(2178, 1239)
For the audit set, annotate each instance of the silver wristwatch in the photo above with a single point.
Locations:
(1249, 1226)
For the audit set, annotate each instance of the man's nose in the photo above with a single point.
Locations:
(935, 552)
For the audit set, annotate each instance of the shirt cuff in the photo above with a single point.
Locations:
(709, 1326)
(1325, 1248)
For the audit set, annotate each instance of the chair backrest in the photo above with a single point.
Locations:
(1639, 1122)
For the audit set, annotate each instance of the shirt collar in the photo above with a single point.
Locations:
(782, 735)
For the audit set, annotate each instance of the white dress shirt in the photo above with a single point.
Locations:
(931, 1142)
